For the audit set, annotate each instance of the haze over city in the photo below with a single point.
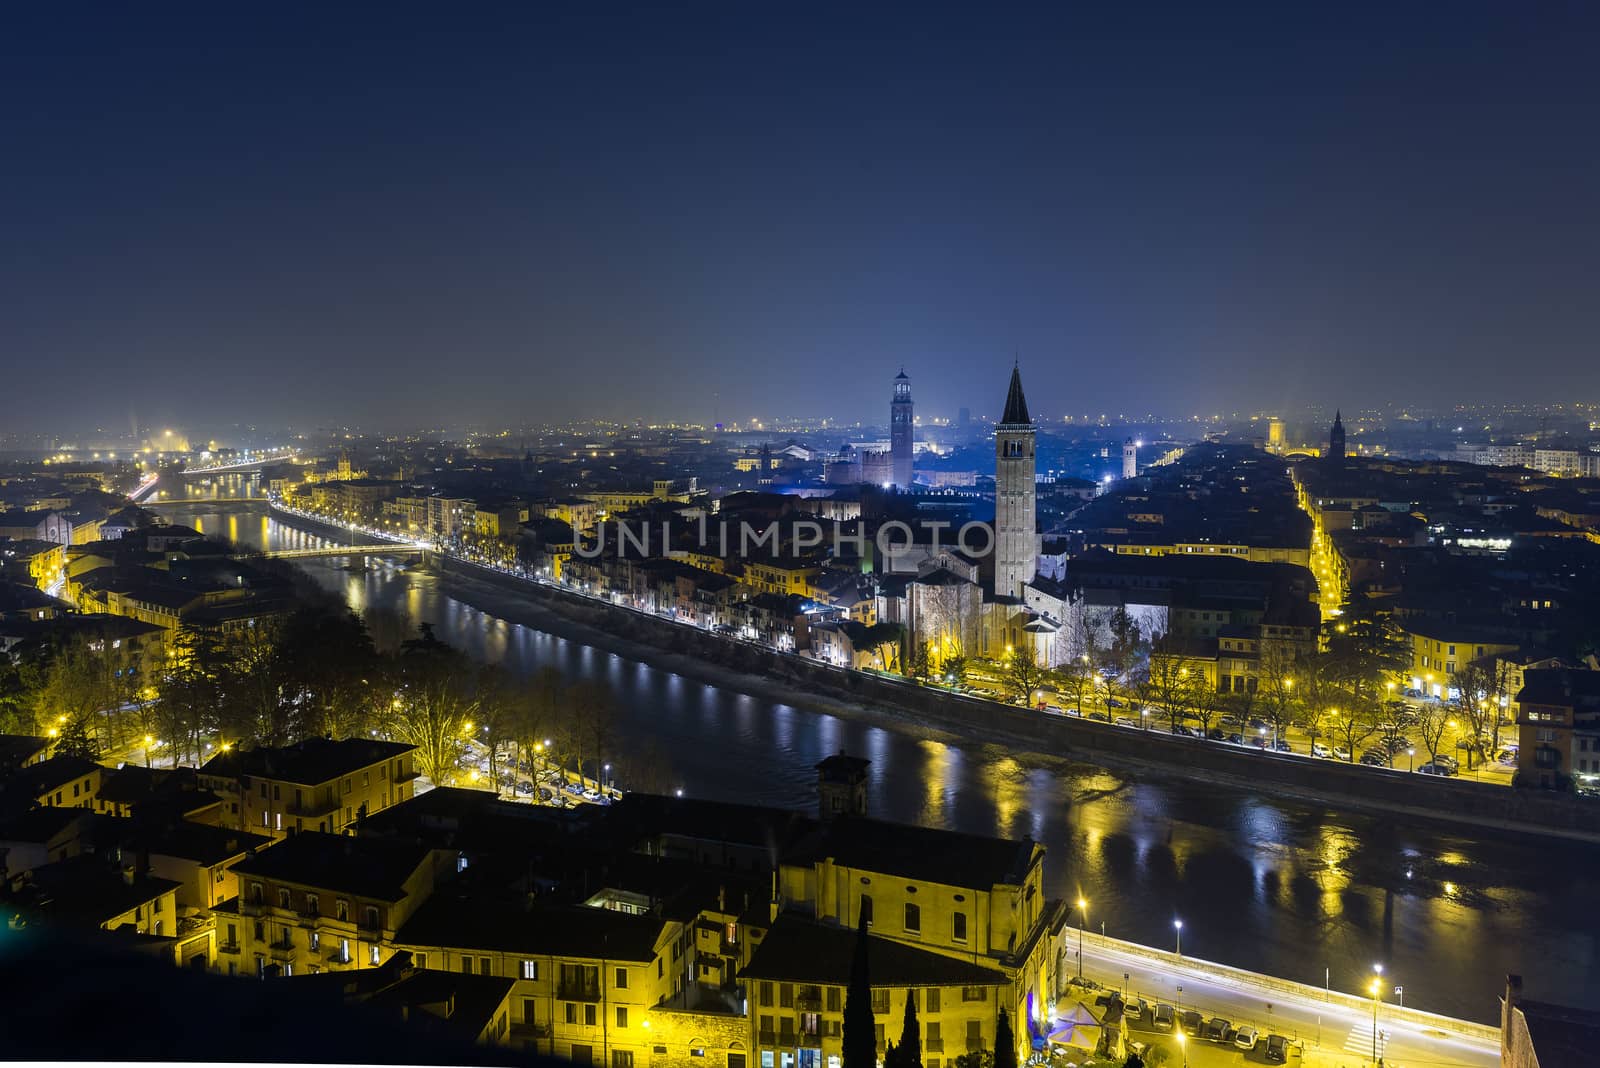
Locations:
(518, 214)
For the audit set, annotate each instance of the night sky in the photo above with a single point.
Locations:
(469, 212)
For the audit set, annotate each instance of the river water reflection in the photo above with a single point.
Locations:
(1270, 885)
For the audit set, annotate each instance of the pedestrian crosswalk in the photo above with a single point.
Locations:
(1359, 1040)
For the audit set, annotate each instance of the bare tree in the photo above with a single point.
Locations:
(1021, 673)
(1432, 721)
(1352, 726)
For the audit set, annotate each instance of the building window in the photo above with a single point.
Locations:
(530, 969)
(785, 995)
(974, 993)
(933, 999)
(483, 966)
(341, 909)
(315, 940)
(466, 964)
(958, 926)
(311, 905)
(572, 1013)
(420, 959)
(590, 1014)
(372, 957)
(622, 1016)
(621, 1058)
(736, 1060)
(766, 993)
(866, 908)
(913, 919)
(880, 1000)
(833, 999)
(622, 978)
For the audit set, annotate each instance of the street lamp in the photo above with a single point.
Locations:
(1411, 758)
(1177, 927)
(1183, 1049)
(1376, 988)
(1083, 916)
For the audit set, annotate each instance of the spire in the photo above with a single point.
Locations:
(1337, 421)
(1016, 404)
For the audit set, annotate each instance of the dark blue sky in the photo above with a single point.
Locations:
(378, 212)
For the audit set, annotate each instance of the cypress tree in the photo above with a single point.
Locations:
(860, 1040)
(910, 1047)
(1005, 1046)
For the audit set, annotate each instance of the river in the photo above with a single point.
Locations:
(1275, 886)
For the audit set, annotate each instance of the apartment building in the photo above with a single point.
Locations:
(315, 785)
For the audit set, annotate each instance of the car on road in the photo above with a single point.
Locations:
(1134, 1009)
(1114, 703)
(1508, 756)
(1246, 1037)
(1192, 1022)
(1277, 1049)
(1434, 769)
(1164, 1016)
(1100, 716)
(1218, 1029)
(1126, 721)
(590, 794)
(574, 789)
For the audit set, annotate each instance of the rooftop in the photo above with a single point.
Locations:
(522, 926)
(369, 867)
(800, 950)
(309, 763)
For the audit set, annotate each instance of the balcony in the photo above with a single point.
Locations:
(578, 991)
(228, 947)
(933, 1045)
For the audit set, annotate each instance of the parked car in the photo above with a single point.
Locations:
(1133, 1009)
(1508, 756)
(1114, 703)
(1277, 1049)
(1193, 1023)
(1126, 721)
(1341, 753)
(1219, 1030)
(1377, 758)
(1236, 738)
(1179, 728)
(1446, 761)
(546, 794)
(1246, 1038)
(1100, 716)
(1164, 1016)
(1282, 745)
(524, 787)
(1320, 750)
(1434, 769)
(1412, 693)
(1397, 744)
(1217, 734)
